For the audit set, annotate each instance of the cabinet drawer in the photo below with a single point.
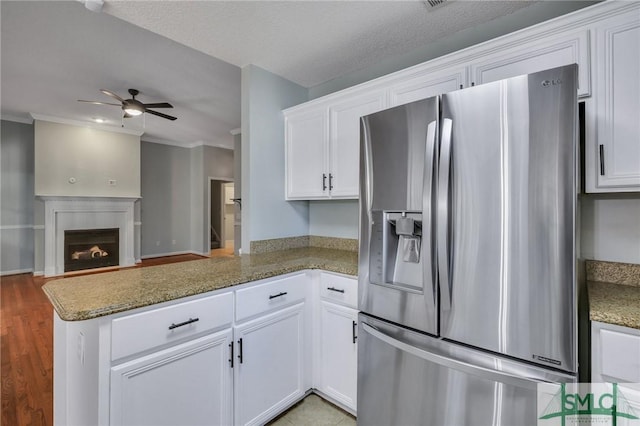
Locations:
(146, 330)
(620, 356)
(266, 297)
(339, 289)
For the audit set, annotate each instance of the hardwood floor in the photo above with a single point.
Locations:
(26, 347)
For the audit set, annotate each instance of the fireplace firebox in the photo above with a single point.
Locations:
(91, 248)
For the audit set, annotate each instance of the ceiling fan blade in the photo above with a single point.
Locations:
(98, 103)
(159, 114)
(110, 93)
(159, 105)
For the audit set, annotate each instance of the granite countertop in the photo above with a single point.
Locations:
(614, 293)
(617, 304)
(92, 296)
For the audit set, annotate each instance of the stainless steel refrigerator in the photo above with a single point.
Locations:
(468, 283)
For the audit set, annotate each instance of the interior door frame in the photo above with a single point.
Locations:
(208, 227)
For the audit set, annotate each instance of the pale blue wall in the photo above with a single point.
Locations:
(16, 197)
(265, 213)
(334, 218)
(165, 204)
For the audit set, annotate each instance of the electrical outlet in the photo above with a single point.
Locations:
(112, 182)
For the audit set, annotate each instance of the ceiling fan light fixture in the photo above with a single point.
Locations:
(132, 110)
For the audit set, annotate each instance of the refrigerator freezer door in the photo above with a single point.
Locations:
(420, 380)
(397, 193)
(510, 229)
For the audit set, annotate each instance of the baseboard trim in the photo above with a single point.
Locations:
(16, 272)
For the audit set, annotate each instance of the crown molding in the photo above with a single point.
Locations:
(97, 126)
(235, 132)
(16, 119)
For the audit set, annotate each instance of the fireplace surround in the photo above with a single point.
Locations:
(83, 213)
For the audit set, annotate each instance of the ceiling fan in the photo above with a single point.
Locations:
(133, 107)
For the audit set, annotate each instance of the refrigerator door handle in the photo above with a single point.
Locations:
(443, 215)
(368, 166)
(482, 372)
(427, 208)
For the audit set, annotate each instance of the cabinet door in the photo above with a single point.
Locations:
(615, 159)
(428, 83)
(339, 353)
(189, 384)
(538, 55)
(269, 365)
(615, 358)
(344, 147)
(306, 154)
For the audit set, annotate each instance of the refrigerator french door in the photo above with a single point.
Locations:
(467, 235)
(416, 379)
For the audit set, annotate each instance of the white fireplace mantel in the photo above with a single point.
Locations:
(72, 213)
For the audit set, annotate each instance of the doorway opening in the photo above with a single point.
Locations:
(221, 218)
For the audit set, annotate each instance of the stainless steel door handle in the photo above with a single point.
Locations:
(443, 215)
(428, 218)
(482, 372)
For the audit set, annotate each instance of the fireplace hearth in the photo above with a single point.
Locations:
(91, 248)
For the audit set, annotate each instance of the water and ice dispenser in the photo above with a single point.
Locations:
(396, 255)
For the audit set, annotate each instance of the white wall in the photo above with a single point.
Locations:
(611, 227)
(90, 156)
(265, 213)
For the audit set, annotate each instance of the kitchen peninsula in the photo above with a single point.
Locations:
(220, 340)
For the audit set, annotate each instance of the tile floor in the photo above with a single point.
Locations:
(314, 411)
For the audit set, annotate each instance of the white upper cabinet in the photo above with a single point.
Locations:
(426, 83)
(306, 153)
(323, 164)
(344, 145)
(322, 136)
(504, 60)
(613, 156)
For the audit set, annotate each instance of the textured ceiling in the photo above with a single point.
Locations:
(308, 42)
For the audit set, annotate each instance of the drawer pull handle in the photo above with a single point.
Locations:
(189, 321)
(339, 290)
(353, 332)
(273, 296)
(240, 351)
(231, 359)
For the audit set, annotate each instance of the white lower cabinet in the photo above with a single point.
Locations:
(188, 384)
(615, 353)
(235, 357)
(269, 365)
(338, 353)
